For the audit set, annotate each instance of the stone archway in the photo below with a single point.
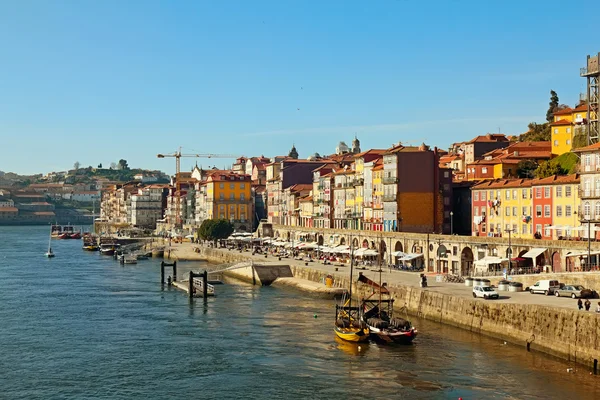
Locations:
(342, 240)
(355, 243)
(365, 244)
(320, 240)
(442, 256)
(398, 246)
(466, 261)
(556, 262)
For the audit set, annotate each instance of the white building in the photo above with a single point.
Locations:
(146, 207)
(87, 196)
(7, 203)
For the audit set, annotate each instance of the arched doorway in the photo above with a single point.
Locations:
(320, 240)
(466, 261)
(556, 264)
(372, 244)
(382, 251)
(343, 241)
(355, 243)
(442, 255)
(398, 246)
(288, 236)
(365, 244)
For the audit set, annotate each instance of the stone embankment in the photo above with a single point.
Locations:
(559, 330)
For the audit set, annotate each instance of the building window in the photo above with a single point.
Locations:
(538, 228)
(559, 191)
(482, 196)
(567, 211)
(556, 142)
(567, 191)
(232, 186)
(484, 170)
(546, 230)
(524, 229)
(586, 210)
(507, 211)
(507, 228)
(232, 196)
(446, 174)
(568, 131)
(507, 194)
(242, 196)
(476, 196)
(524, 193)
(568, 141)
(476, 211)
(221, 185)
(538, 193)
(559, 211)
(515, 194)
(538, 211)
(514, 211)
(555, 130)
(221, 196)
(242, 186)
(547, 192)
(546, 211)
(514, 228)
(524, 209)
(597, 209)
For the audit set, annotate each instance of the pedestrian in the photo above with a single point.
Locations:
(580, 304)
(598, 308)
(588, 304)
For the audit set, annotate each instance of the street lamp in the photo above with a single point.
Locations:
(451, 222)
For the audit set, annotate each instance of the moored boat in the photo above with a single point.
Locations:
(76, 235)
(108, 249)
(348, 323)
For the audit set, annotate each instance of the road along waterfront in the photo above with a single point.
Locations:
(84, 326)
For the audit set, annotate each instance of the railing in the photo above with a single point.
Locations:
(389, 197)
(359, 182)
(390, 179)
(589, 193)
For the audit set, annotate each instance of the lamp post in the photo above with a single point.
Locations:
(451, 222)
(510, 252)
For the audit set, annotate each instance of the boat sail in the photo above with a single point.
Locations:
(50, 253)
(348, 322)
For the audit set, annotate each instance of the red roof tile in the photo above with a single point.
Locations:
(561, 122)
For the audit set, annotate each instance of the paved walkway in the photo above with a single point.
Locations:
(395, 277)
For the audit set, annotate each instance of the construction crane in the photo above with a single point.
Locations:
(177, 155)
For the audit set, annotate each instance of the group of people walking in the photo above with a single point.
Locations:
(587, 304)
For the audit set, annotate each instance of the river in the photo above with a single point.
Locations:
(83, 326)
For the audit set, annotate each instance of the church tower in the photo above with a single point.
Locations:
(293, 153)
(355, 145)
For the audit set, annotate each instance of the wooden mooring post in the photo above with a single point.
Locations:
(204, 276)
(162, 271)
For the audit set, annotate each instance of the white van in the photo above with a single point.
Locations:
(547, 287)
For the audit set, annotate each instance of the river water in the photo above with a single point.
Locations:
(83, 326)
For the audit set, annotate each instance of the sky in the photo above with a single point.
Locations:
(99, 81)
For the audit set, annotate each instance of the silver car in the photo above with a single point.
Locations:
(572, 291)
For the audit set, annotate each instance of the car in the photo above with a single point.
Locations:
(546, 286)
(486, 292)
(575, 291)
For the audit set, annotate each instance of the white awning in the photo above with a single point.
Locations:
(371, 252)
(411, 256)
(534, 253)
(399, 254)
(360, 252)
(488, 260)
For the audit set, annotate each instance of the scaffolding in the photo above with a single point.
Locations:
(592, 73)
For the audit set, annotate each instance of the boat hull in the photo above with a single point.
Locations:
(386, 336)
(91, 247)
(49, 255)
(352, 334)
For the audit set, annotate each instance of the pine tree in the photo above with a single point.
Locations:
(552, 106)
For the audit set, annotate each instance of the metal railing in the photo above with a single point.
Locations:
(389, 179)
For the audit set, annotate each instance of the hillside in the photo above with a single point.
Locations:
(567, 163)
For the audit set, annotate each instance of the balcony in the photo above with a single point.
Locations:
(359, 182)
(387, 180)
(389, 197)
(589, 193)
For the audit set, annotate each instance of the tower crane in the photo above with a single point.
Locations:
(177, 155)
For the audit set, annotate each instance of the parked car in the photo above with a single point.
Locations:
(575, 291)
(547, 287)
(485, 292)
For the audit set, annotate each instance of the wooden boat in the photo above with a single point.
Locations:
(61, 231)
(76, 235)
(377, 314)
(90, 247)
(348, 324)
(108, 249)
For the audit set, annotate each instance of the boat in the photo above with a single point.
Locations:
(90, 247)
(129, 259)
(377, 314)
(348, 324)
(50, 253)
(76, 235)
(62, 231)
(141, 256)
(108, 249)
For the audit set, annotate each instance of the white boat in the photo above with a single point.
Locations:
(50, 253)
(129, 259)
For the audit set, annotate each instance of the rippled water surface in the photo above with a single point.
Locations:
(83, 326)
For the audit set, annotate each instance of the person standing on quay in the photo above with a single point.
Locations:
(588, 304)
(580, 304)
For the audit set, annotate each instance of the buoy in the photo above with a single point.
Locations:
(315, 315)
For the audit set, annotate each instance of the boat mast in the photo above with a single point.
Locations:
(351, 268)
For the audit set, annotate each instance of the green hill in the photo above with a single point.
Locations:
(567, 162)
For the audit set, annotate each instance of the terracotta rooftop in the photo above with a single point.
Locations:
(561, 122)
(489, 138)
(306, 199)
(299, 187)
(503, 183)
(557, 180)
(9, 209)
(379, 152)
(587, 148)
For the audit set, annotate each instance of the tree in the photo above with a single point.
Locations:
(215, 229)
(113, 165)
(526, 168)
(123, 164)
(100, 165)
(223, 229)
(205, 231)
(548, 168)
(552, 106)
(76, 165)
(536, 133)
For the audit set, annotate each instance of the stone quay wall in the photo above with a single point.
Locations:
(565, 333)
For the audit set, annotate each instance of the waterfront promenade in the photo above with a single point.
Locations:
(185, 251)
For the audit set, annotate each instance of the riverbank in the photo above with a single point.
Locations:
(543, 323)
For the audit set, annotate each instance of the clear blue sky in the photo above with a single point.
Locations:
(98, 81)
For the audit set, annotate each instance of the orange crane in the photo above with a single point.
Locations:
(177, 155)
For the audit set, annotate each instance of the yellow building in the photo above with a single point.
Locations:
(377, 220)
(229, 196)
(567, 123)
